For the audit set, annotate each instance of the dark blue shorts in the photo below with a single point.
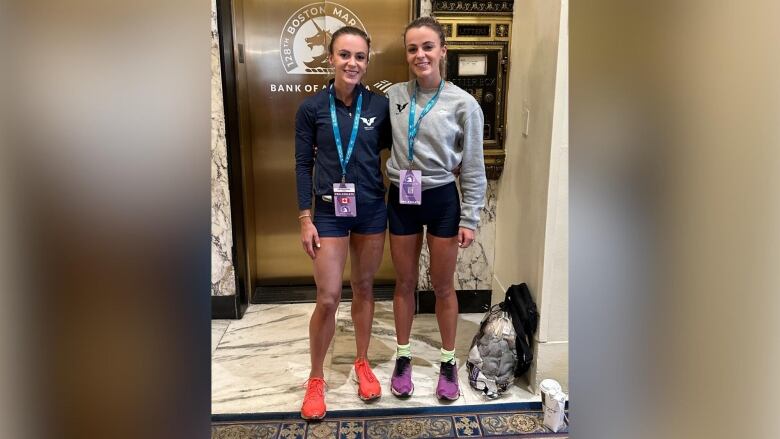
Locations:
(371, 219)
(440, 211)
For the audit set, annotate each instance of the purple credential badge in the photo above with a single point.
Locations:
(411, 187)
(344, 199)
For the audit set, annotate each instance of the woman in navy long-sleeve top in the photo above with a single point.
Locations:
(348, 125)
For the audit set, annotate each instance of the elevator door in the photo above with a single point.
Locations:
(285, 45)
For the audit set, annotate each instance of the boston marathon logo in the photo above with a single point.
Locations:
(307, 33)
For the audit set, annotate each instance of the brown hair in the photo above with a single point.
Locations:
(427, 22)
(349, 30)
(434, 25)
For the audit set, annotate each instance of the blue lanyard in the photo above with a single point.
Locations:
(337, 134)
(413, 106)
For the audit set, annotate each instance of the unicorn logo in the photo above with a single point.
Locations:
(320, 39)
(305, 37)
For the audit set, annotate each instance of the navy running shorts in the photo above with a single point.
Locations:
(371, 218)
(440, 211)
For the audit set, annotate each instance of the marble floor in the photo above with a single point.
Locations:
(259, 363)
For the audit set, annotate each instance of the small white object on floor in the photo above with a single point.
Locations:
(553, 404)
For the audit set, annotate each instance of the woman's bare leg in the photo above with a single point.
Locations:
(366, 255)
(444, 254)
(405, 250)
(328, 271)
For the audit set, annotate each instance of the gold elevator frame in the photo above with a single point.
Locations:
(499, 40)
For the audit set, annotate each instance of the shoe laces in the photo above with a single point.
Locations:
(315, 387)
(448, 370)
(401, 365)
(363, 369)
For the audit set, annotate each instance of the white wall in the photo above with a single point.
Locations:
(532, 211)
(555, 297)
(553, 335)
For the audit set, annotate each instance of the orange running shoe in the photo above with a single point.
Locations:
(368, 385)
(314, 401)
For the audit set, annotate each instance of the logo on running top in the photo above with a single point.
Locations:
(401, 107)
(306, 34)
(368, 122)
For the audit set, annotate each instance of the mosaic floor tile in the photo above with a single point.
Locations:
(410, 427)
(512, 423)
(246, 431)
(323, 430)
(421, 426)
(351, 430)
(466, 426)
(293, 430)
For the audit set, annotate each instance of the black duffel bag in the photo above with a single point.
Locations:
(525, 318)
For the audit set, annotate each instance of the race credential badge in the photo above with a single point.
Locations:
(306, 34)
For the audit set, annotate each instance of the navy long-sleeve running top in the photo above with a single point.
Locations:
(313, 128)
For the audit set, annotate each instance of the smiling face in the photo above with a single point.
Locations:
(424, 52)
(349, 58)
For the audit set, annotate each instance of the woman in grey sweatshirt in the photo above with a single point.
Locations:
(436, 128)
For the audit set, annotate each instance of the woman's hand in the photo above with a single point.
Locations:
(310, 239)
(456, 171)
(465, 237)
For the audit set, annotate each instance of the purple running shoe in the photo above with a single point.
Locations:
(401, 381)
(448, 382)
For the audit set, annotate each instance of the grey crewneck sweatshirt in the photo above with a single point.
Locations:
(450, 134)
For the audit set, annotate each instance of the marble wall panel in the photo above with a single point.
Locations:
(474, 269)
(425, 8)
(222, 276)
